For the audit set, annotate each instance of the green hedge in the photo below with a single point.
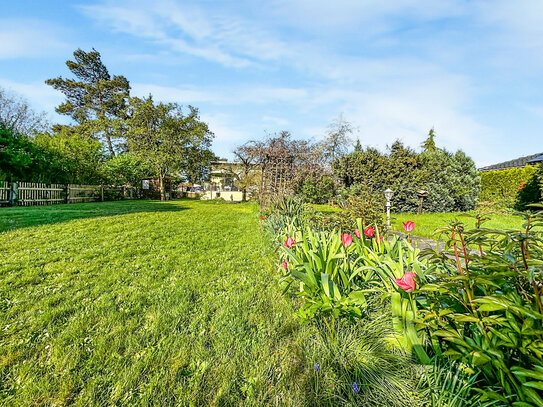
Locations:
(502, 187)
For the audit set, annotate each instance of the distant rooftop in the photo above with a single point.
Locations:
(517, 163)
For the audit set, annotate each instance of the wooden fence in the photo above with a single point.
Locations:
(4, 193)
(33, 193)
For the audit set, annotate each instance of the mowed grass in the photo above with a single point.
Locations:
(144, 303)
(427, 223)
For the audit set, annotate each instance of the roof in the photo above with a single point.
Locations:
(536, 160)
(516, 163)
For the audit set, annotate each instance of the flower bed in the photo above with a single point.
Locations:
(474, 308)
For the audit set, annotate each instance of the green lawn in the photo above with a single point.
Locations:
(427, 223)
(145, 303)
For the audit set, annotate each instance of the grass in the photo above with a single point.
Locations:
(156, 303)
(427, 223)
(140, 303)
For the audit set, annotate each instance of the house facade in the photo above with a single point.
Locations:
(227, 180)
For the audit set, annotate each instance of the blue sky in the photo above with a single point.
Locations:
(473, 70)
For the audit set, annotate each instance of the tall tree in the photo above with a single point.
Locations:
(17, 115)
(94, 99)
(358, 146)
(164, 137)
(430, 144)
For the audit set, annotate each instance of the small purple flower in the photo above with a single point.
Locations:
(317, 367)
(355, 388)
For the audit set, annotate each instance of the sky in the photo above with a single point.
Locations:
(470, 69)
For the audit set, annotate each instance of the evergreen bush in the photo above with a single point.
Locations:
(451, 179)
(502, 186)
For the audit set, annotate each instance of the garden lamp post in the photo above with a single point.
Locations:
(388, 197)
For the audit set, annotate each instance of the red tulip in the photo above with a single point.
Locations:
(289, 243)
(262, 218)
(357, 233)
(407, 282)
(409, 226)
(369, 231)
(347, 239)
(285, 265)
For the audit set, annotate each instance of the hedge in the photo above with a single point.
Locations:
(502, 187)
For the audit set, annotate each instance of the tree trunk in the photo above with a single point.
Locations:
(162, 188)
(244, 195)
(110, 145)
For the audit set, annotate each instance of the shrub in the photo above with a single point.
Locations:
(366, 207)
(125, 169)
(315, 187)
(484, 308)
(451, 179)
(502, 187)
(530, 192)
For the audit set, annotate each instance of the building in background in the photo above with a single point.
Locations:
(516, 163)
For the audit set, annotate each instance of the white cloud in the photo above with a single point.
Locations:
(40, 96)
(25, 38)
(215, 36)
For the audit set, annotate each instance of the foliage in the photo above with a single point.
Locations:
(94, 99)
(447, 384)
(364, 206)
(315, 186)
(531, 192)
(78, 158)
(23, 160)
(430, 144)
(503, 186)
(451, 179)
(198, 164)
(125, 169)
(17, 115)
(359, 353)
(164, 138)
(484, 308)
(428, 223)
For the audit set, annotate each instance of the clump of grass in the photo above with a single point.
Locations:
(362, 353)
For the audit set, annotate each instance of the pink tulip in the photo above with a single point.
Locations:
(407, 282)
(285, 265)
(357, 233)
(289, 243)
(369, 231)
(347, 239)
(409, 226)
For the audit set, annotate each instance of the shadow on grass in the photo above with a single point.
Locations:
(20, 217)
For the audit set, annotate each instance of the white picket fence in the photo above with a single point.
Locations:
(35, 193)
(4, 192)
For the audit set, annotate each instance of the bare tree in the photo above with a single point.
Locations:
(247, 156)
(337, 141)
(16, 114)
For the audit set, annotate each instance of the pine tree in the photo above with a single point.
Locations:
(358, 146)
(94, 99)
(429, 144)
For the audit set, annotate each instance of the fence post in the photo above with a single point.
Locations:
(14, 193)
